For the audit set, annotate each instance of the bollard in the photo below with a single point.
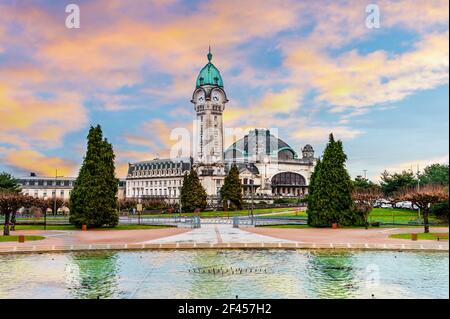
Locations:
(84, 227)
(21, 238)
(413, 236)
(334, 225)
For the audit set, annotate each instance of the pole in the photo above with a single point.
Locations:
(54, 200)
(418, 188)
(252, 201)
(45, 214)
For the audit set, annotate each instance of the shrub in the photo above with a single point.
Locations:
(440, 210)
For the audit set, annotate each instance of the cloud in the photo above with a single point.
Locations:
(320, 134)
(152, 50)
(27, 119)
(33, 161)
(413, 165)
(283, 102)
(352, 80)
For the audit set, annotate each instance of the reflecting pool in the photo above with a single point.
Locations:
(225, 274)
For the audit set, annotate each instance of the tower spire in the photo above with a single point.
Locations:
(209, 54)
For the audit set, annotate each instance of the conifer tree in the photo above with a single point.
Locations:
(93, 198)
(193, 195)
(232, 189)
(184, 193)
(329, 199)
(312, 195)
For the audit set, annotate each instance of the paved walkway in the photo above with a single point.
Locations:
(349, 235)
(223, 236)
(219, 233)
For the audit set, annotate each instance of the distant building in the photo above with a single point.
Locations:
(44, 186)
(160, 178)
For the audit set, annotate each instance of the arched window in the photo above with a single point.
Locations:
(288, 179)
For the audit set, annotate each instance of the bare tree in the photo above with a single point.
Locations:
(364, 199)
(10, 202)
(424, 198)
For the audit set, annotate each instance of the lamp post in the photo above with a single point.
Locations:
(45, 214)
(418, 188)
(266, 161)
(54, 199)
(251, 197)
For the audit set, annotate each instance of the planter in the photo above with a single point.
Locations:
(334, 225)
(83, 227)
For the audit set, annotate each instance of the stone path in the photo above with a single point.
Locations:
(223, 236)
(220, 233)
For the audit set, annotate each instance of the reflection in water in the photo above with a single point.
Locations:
(242, 274)
(332, 274)
(92, 275)
(282, 274)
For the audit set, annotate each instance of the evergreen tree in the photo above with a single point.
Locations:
(232, 189)
(93, 198)
(193, 195)
(9, 183)
(312, 195)
(330, 198)
(184, 193)
(435, 174)
(393, 183)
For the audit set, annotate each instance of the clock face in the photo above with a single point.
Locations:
(216, 96)
(200, 97)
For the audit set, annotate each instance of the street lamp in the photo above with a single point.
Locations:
(54, 200)
(266, 161)
(45, 214)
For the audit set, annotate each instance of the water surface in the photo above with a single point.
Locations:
(225, 274)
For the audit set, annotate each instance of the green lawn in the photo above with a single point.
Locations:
(390, 215)
(292, 214)
(16, 238)
(49, 227)
(385, 215)
(226, 214)
(49, 217)
(422, 236)
(71, 227)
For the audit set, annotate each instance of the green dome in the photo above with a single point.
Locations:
(209, 75)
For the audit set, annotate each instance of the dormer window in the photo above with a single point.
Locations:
(202, 80)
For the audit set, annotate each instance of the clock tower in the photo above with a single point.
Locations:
(209, 99)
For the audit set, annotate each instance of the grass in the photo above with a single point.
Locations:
(422, 236)
(72, 227)
(16, 238)
(292, 214)
(384, 215)
(244, 212)
(49, 227)
(49, 217)
(393, 215)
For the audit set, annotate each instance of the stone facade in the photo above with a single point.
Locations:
(47, 187)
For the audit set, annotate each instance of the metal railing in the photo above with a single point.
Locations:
(177, 221)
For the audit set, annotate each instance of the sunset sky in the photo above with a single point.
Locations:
(307, 68)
